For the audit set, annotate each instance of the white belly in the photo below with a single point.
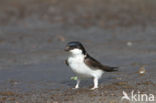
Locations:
(81, 69)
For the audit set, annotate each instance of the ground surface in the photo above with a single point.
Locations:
(33, 34)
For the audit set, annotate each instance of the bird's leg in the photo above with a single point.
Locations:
(95, 83)
(77, 84)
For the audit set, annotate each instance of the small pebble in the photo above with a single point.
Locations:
(129, 43)
(142, 70)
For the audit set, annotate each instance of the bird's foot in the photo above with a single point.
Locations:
(94, 88)
(75, 88)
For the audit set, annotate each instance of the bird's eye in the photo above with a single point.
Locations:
(72, 47)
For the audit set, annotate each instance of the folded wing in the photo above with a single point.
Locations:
(94, 64)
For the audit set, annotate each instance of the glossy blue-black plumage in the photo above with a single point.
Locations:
(75, 44)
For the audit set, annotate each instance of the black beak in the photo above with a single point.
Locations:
(67, 48)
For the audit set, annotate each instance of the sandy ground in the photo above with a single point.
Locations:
(33, 34)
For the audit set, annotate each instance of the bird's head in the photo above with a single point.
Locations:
(75, 48)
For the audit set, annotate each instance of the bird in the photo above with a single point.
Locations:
(83, 65)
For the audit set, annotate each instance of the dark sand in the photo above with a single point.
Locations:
(33, 34)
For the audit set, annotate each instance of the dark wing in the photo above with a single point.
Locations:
(66, 62)
(92, 63)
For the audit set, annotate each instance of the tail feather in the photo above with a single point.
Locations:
(110, 69)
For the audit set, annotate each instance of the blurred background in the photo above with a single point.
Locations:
(82, 13)
(33, 34)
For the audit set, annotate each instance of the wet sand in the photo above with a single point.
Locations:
(32, 39)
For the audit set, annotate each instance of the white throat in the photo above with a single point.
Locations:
(76, 52)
